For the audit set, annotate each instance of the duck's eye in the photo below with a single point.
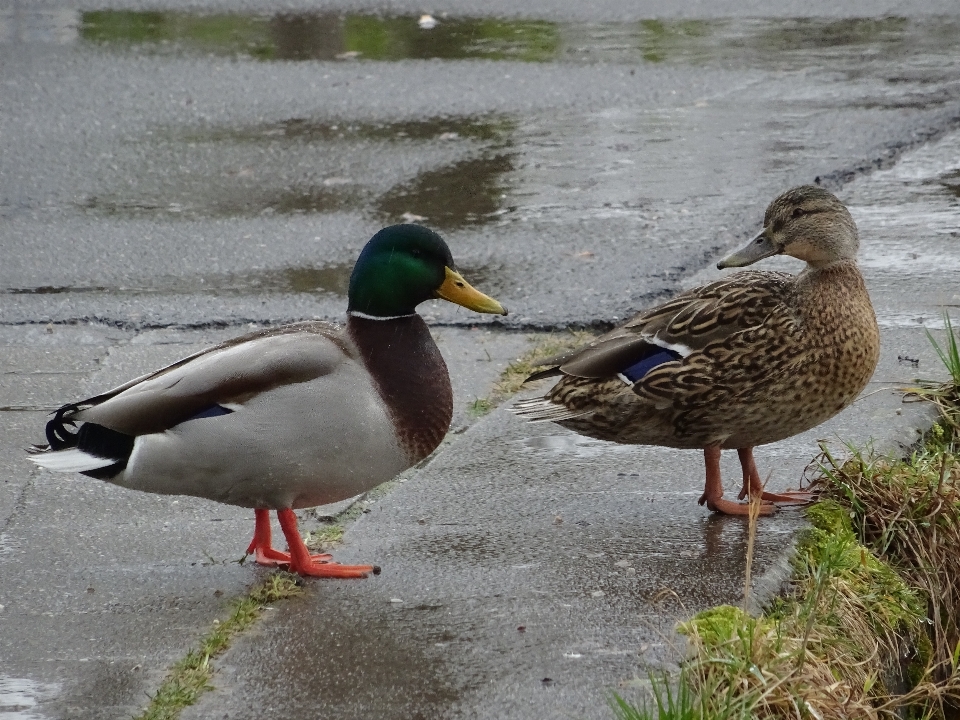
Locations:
(797, 212)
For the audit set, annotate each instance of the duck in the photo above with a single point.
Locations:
(749, 359)
(288, 417)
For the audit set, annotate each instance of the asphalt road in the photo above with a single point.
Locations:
(169, 177)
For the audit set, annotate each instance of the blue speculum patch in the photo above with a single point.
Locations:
(658, 356)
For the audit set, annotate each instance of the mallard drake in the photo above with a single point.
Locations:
(749, 359)
(288, 417)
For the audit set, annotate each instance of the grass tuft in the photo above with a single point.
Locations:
(190, 677)
(514, 375)
(324, 538)
(871, 628)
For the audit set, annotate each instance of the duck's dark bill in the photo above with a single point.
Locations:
(759, 247)
(459, 291)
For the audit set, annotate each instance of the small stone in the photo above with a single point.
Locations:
(597, 593)
(622, 563)
(396, 600)
(631, 571)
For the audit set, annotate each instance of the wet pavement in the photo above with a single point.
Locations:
(546, 150)
(170, 177)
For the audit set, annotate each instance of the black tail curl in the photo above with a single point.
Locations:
(58, 434)
(91, 438)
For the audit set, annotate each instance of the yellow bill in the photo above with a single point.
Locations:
(457, 290)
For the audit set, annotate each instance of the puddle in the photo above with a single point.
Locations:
(222, 200)
(910, 213)
(909, 221)
(245, 171)
(951, 182)
(333, 279)
(321, 36)
(19, 698)
(572, 445)
(771, 43)
(491, 129)
(465, 193)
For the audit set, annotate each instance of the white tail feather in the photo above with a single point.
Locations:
(542, 410)
(72, 460)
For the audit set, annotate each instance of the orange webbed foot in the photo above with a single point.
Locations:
(713, 489)
(728, 507)
(333, 570)
(752, 485)
(268, 557)
(303, 563)
(299, 559)
(790, 497)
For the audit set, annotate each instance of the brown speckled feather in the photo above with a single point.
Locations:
(763, 355)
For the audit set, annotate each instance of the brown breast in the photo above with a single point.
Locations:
(411, 377)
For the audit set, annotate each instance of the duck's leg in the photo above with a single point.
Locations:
(713, 490)
(303, 563)
(752, 484)
(262, 546)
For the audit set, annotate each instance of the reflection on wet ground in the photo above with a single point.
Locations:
(322, 36)
(227, 171)
(374, 676)
(327, 279)
(464, 193)
(569, 443)
(342, 36)
(19, 698)
(951, 181)
(909, 216)
(771, 43)
(488, 129)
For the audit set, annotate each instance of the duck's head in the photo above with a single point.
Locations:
(807, 223)
(403, 265)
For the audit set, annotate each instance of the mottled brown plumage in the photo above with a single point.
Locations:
(756, 356)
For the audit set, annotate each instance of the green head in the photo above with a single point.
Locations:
(403, 265)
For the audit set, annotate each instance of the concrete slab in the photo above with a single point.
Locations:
(84, 635)
(162, 191)
(530, 572)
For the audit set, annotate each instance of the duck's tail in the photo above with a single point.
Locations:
(540, 409)
(92, 450)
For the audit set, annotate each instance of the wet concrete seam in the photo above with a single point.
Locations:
(839, 178)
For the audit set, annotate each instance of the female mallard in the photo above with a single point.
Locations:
(749, 359)
(288, 417)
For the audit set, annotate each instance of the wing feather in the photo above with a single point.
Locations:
(686, 324)
(231, 372)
